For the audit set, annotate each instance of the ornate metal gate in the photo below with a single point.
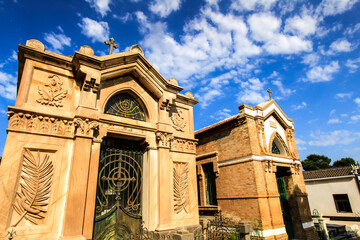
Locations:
(118, 196)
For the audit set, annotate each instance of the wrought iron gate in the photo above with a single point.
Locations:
(285, 207)
(118, 196)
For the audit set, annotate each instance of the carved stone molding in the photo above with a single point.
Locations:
(183, 145)
(163, 139)
(85, 127)
(31, 122)
(178, 121)
(240, 121)
(180, 179)
(295, 169)
(32, 198)
(269, 166)
(52, 93)
(261, 134)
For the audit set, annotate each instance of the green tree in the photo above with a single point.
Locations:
(315, 162)
(348, 161)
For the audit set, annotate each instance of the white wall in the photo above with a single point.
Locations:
(321, 195)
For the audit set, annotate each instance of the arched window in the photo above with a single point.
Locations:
(125, 105)
(274, 148)
(277, 146)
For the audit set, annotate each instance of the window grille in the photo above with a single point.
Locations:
(274, 148)
(124, 105)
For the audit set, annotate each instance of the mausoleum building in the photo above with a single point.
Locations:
(248, 167)
(96, 148)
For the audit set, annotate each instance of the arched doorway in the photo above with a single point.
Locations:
(119, 185)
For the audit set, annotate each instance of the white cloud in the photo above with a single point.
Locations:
(303, 26)
(57, 41)
(285, 92)
(357, 101)
(334, 121)
(299, 106)
(7, 85)
(300, 141)
(354, 118)
(340, 45)
(266, 28)
(128, 16)
(246, 5)
(352, 30)
(163, 8)
(101, 6)
(343, 95)
(252, 91)
(333, 7)
(311, 59)
(322, 74)
(221, 114)
(353, 65)
(337, 137)
(210, 42)
(96, 31)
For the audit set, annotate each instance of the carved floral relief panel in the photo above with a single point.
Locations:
(181, 188)
(51, 91)
(179, 120)
(34, 190)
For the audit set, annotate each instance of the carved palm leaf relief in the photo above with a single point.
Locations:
(180, 178)
(32, 198)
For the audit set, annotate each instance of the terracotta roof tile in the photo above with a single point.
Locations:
(330, 172)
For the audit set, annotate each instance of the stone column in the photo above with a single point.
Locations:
(76, 196)
(165, 174)
(91, 190)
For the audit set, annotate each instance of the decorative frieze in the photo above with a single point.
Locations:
(178, 121)
(52, 93)
(180, 178)
(32, 122)
(32, 198)
(183, 145)
(85, 127)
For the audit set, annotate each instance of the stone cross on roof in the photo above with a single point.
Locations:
(111, 45)
(269, 91)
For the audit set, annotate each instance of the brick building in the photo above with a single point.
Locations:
(248, 167)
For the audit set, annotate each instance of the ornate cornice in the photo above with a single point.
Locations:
(85, 127)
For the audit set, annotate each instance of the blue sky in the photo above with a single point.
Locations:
(227, 52)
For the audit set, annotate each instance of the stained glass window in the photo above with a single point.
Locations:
(124, 105)
(275, 148)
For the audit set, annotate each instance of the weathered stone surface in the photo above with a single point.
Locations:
(136, 49)
(33, 43)
(86, 50)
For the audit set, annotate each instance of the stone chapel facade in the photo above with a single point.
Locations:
(96, 147)
(248, 167)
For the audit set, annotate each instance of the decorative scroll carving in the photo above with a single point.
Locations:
(52, 93)
(33, 197)
(178, 121)
(85, 127)
(180, 177)
(183, 145)
(38, 123)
